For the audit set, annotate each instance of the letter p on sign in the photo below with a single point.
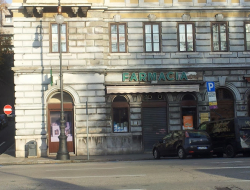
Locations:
(210, 87)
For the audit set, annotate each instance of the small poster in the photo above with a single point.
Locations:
(188, 122)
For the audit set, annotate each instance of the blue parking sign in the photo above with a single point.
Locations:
(210, 87)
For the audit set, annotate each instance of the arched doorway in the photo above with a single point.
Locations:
(189, 111)
(54, 110)
(225, 103)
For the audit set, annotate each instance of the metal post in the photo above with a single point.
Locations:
(62, 153)
(87, 129)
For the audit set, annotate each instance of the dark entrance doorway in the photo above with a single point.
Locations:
(189, 111)
(225, 103)
(154, 120)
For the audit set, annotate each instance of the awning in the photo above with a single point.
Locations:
(152, 89)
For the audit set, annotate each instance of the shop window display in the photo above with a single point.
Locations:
(120, 115)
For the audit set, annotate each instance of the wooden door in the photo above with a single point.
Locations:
(54, 126)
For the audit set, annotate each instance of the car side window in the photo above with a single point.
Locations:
(168, 136)
(176, 134)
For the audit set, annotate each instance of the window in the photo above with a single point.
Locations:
(219, 36)
(120, 115)
(186, 36)
(152, 37)
(118, 38)
(55, 36)
(247, 36)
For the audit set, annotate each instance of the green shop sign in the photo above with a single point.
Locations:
(153, 76)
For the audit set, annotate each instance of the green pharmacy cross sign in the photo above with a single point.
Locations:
(153, 76)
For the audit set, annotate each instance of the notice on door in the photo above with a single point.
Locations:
(188, 122)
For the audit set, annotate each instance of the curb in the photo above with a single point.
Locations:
(70, 161)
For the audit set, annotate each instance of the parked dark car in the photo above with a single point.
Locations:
(3, 120)
(182, 143)
(229, 136)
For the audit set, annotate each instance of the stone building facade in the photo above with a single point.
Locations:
(138, 66)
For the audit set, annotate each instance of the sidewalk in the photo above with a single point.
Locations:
(8, 158)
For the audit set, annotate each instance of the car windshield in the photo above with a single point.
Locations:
(197, 134)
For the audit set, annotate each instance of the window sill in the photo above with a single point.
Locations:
(57, 54)
(187, 53)
(153, 53)
(218, 53)
(246, 53)
(119, 54)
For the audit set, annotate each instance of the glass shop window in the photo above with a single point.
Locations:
(120, 115)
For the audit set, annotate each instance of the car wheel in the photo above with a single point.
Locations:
(230, 152)
(181, 153)
(156, 154)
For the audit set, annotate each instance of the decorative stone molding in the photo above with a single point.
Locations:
(84, 11)
(222, 80)
(117, 18)
(151, 17)
(30, 10)
(219, 17)
(75, 9)
(186, 17)
(39, 10)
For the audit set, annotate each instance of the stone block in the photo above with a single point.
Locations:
(236, 23)
(96, 86)
(203, 36)
(203, 48)
(169, 48)
(135, 49)
(237, 48)
(221, 73)
(237, 60)
(169, 37)
(86, 56)
(135, 62)
(118, 62)
(96, 99)
(170, 61)
(203, 42)
(135, 116)
(169, 24)
(203, 30)
(22, 24)
(135, 30)
(153, 61)
(204, 61)
(169, 30)
(220, 60)
(87, 78)
(135, 37)
(169, 43)
(94, 49)
(236, 35)
(135, 43)
(235, 29)
(135, 24)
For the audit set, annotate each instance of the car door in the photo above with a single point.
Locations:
(165, 145)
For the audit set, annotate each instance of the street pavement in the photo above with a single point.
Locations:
(8, 158)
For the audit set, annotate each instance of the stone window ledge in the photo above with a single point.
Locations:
(246, 53)
(57, 54)
(219, 53)
(153, 54)
(119, 54)
(187, 53)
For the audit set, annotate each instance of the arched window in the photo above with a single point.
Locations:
(120, 116)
